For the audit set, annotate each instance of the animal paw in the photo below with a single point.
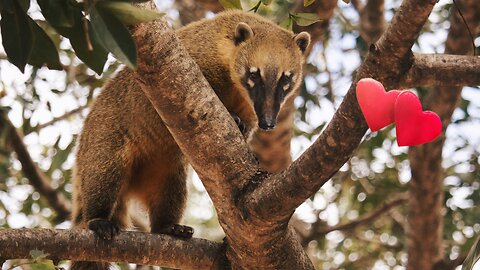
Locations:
(104, 229)
(177, 230)
(241, 125)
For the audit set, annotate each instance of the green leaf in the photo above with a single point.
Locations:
(58, 13)
(96, 56)
(24, 4)
(231, 4)
(114, 36)
(307, 3)
(6, 5)
(305, 19)
(43, 51)
(16, 36)
(129, 14)
(38, 254)
(473, 256)
(287, 23)
(266, 2)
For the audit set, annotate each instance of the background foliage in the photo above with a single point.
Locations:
(48, 107)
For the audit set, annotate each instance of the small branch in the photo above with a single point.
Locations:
(443, 70)
(324, 9)
(62, 117)
(365, 219)
(194, 10)
(372, 23)
(35, 176)
(318, 230)
(131, 247)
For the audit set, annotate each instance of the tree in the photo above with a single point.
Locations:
(254, 207)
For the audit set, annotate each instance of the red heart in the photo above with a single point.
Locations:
(377, 105)
(414, 126)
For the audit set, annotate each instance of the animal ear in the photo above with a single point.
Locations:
(302, 40)
(242, 33)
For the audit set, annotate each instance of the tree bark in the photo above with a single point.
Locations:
(425, 218)
(133, 247)
(444, 69)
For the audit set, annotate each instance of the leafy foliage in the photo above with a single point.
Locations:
(26, 42)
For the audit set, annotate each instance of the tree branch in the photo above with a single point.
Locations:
(279, 195)
(365, 219)
(443, 70)
(62, 117)
(131, 247)
(35, 176)
(324, 9)
(194, 10)
(372, 23)
(318, 229)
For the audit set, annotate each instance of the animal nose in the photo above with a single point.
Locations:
(267, 124)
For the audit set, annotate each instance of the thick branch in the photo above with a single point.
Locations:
(35, 176)
(443, 70)
(198, 105)
(131, 247)
(279, 195)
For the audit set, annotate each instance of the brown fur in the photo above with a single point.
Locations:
(125, 151)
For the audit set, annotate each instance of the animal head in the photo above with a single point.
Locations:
(268, 66)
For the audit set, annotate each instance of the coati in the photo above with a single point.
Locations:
(125, 151)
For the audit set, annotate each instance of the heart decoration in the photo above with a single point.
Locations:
(376, 104)
(414, 126)
(381, 108)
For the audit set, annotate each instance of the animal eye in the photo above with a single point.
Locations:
(252, 77)
(286, 78)
(253, 74)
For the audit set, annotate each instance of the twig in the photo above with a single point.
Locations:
(62, 117)
(365, 219)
